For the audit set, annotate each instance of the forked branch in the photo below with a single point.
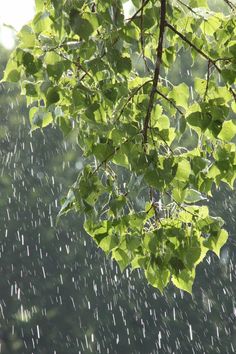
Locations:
(203, 54)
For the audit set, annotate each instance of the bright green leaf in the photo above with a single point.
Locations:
(228, 131)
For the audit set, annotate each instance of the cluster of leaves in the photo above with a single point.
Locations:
(152, 150)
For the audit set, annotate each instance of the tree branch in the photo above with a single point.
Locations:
(131, 96)
(191, 44)
(117, 148)
(170, 101)
(203, 54)
(189, 8)
(142, 38)
(138, 11)
(157, 69)
(230, 4)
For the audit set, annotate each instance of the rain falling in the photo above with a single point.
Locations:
(60, 293)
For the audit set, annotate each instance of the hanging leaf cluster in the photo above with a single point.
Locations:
(149, 87)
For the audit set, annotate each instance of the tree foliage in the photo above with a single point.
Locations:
(154, 144)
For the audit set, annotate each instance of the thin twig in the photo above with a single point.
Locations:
(208, 79)
(163, 139)
(230, 4)
(224, 59)
(117, 148)
(106, 159)
(191, 44)
(180, 205)
(203, 54)
(154, 143)
(141, 30)
(77, 64)
(189, 8)
(142, 38)
(131, 96)
(170, 101)
(138, 11)
(157, 69)
(112, 45)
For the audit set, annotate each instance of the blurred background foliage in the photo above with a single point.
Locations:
(60, 294)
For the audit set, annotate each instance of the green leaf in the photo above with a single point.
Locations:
(210, 25)
(124, 65)
(39, 5)
(183, 170)
(39, 118)
(107, 243)
(133, 242)
(156, 115)
(151, 241)
(228, 131)
(200, 86)
(216, 241)
(65, 125)
(87, 49)
(12, 71)
(52, 96)
(67, 204)
(30, 89)
(198, 3)
(42, 22)
(121, 258)
(80, 25)
(121, 159)
(47, 42)
(32, 64)
(197, 118)
(120, 64)
(234, 107)
(199, 164)
(180, 94)
(184, 280)
(179, 195)
(163, 123)
(103, 151)
(193, 196)
(139, 262)
(154, 179)
(27, 37)
(158, 278)
(229, 75)
(117, 204)
(54, 65)
(90, 188)
(191, 255)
